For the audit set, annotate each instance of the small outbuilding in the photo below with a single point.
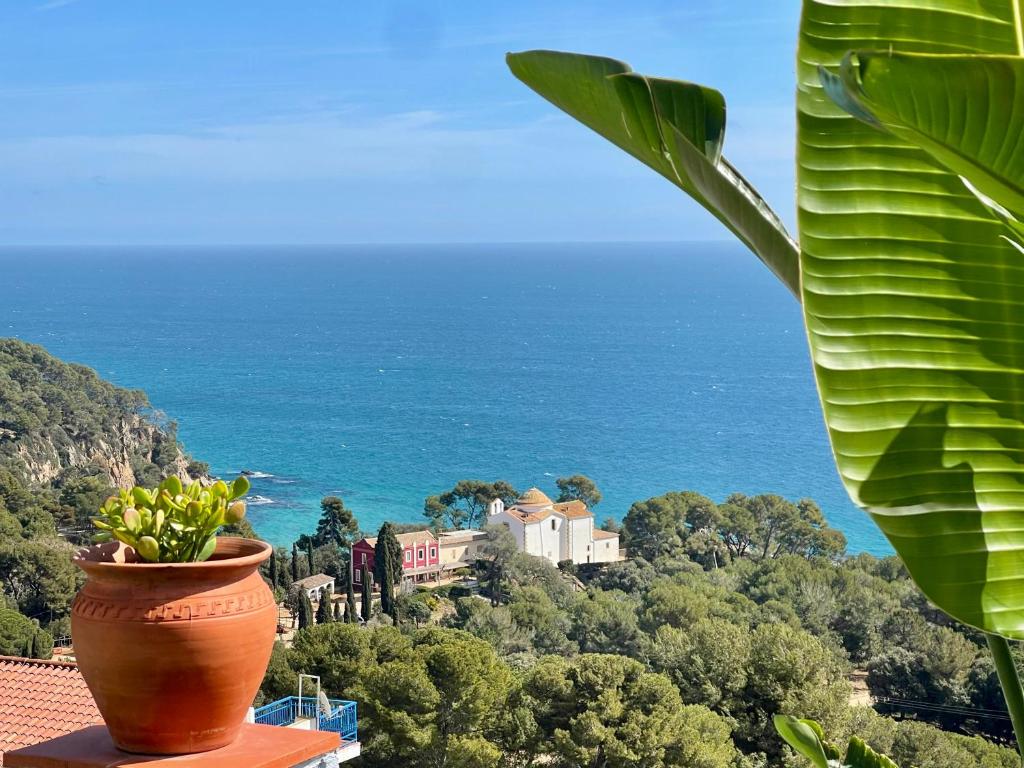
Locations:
(316, 586)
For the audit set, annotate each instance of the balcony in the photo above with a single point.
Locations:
(336, 716)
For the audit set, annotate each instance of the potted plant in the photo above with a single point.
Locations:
(174, 626)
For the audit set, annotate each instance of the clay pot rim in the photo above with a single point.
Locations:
(231, 552)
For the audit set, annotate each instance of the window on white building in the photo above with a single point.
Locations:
(553, 527)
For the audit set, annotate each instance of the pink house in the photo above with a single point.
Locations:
(421, 561)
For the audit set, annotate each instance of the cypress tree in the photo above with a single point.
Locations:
(339, 615)
(42, 644)
(309, 556)
(295, 562)
(273, 568)
(367, 606)
(323, 610)
(305, 610)
(387, 568)
(350, 598)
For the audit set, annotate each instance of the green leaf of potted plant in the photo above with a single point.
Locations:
(174, 626)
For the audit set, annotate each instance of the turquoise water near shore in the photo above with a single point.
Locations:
(383, 374)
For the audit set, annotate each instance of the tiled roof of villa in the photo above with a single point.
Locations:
(416, 537)
(40, 700)
(406, 539)
(600, 534)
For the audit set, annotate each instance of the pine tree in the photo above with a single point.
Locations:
(305, 610)
(367, 606)
(387, 568)
(323, 610)
(337, 525)
(295, 562)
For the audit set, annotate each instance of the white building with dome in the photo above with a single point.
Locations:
(557, 531)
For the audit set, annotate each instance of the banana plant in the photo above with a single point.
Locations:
(808, 739)
(909, 267)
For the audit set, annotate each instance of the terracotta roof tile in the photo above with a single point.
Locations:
(574, 509)
(533, 497)
(600, 534)
(416, 537)
(40, 700)
(314, 581)
(405, 539)
(529, 516)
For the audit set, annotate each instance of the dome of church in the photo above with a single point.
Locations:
(534, 497)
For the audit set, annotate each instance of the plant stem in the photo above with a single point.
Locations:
(1010, 682)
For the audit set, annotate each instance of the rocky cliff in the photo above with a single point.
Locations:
(123, 454)
(58, 418)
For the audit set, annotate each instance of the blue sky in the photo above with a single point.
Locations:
(341, 122)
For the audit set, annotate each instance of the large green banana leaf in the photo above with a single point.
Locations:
(931, 101)
(807, 738)
(913, 293)
(676, 128)
(911, 279)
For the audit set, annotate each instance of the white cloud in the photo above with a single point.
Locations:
(53, 5)
(317, 147)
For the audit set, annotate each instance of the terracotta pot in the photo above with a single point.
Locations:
(174, 653)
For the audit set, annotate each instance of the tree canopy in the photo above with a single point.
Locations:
(758, 527)
(465, 505)
(578, 487)
(337, 525)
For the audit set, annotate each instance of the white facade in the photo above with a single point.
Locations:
(556, 531)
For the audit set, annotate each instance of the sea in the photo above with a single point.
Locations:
(384, 374)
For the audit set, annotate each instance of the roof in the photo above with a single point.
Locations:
(600, 534)
(533, 497)
(534, 506)
(315, 581)
(531, 517)
(40, 700)
(457, 537)
(574, 509)
(416, 537)
(405, 539)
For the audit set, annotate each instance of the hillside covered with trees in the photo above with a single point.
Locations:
(725, 615)
(67, 438)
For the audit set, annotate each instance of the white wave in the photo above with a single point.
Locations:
(256, 475)
(259, 501)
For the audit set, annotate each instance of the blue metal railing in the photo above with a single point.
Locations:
(340, 718)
